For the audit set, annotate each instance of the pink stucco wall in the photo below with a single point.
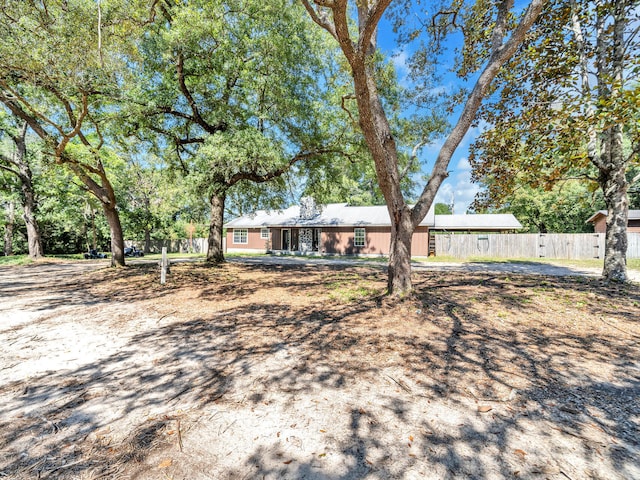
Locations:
(340, 240)
(600, 225)
(335, 240)
(254, 242)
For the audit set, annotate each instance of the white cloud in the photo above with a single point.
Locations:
(463, 165)
(400, 60)
(458, 188)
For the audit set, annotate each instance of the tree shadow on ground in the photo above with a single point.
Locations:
(439, 350)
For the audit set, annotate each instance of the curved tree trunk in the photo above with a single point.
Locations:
(105, 193)
(33, 232)
(399, 277)
(117, 241)
(215, 253)
(614, 186)
(29, 206)
(375, 125)
(8, 229)
(611, 163)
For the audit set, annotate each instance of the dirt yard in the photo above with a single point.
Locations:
(308, 372)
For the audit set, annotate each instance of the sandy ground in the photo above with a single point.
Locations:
(308, 372)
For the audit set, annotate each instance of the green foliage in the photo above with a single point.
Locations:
(442, 209)
(232, 93)
(563, 209)
(558, 102)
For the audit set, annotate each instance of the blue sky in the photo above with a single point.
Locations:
(457, 188)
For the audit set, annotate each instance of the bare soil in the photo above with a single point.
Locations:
(310, 372)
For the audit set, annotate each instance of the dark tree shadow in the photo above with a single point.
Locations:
(444, 352)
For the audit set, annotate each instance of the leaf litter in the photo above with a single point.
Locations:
(249, 371)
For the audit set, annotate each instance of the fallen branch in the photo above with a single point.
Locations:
(179, 434)
(401, 384)
(165, 316)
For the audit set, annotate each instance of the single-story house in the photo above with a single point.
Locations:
(341, 229)
(599, 220)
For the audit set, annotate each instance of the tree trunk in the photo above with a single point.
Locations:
(33, 232)
(215, 252)
(377, 132)
(8, 229)
(147, 241)
(399, 278)
(106, 195)
(28, 195)
(94, 232)
(611, 163)
(614, 186)
(117, 242)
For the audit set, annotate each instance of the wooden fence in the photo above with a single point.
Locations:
(529, 245)
(199, 245)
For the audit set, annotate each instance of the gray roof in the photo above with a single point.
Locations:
(342, 214)
(502, 221)
(331, 215)
(633, 215)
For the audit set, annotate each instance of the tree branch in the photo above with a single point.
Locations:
(368, 19)
(197, 117)
(498, 57)
(14, 102)
(6, 159)
(261, 178)
(66, 137)
(321, 18)
(412, 159)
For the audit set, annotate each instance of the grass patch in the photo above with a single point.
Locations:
(15, 260)
(346, 287)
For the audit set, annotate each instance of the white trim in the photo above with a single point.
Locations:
(239, 232)
(262, 231)
(355, 237)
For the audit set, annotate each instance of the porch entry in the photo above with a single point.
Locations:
(286, 239)
(301, 239)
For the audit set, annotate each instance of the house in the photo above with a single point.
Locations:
(599, 220)
(342, 229)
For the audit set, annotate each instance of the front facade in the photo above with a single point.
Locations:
(599, 220)
(335, 229)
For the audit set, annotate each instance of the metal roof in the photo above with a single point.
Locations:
(331, 215)
(342, 214)
(502, 221)
(633, 215)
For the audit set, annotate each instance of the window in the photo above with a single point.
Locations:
(264, 233)
(240, 235)
(359, 237)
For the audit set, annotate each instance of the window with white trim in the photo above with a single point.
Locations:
(359, 237)
(264, 233)
(240, 235)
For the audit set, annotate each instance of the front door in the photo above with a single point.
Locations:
(316, 240)
(286, 239)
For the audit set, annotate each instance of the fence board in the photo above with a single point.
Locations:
(173, 246)
(529, 245)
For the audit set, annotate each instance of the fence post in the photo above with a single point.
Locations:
(164, 266)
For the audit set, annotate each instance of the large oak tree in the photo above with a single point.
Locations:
(60, 66)
(15, 161)
(232, 92)
(354, 25)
